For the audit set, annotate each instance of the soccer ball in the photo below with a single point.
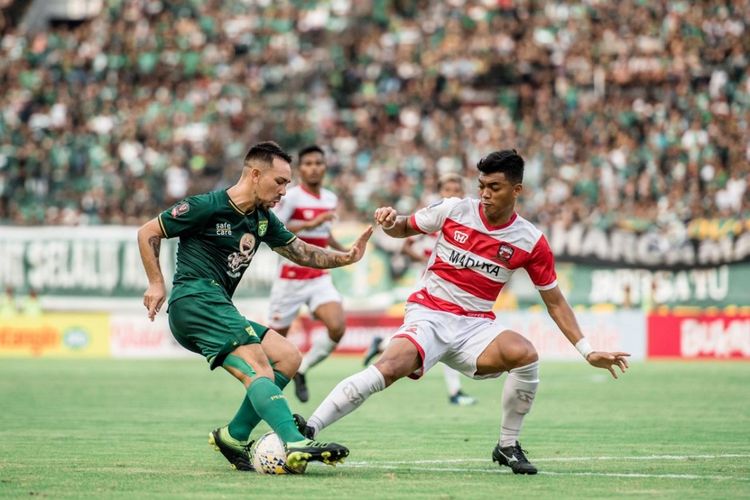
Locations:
(269, 455)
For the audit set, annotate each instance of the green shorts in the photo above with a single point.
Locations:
(210, 324)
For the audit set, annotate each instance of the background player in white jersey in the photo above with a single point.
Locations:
(308, 210)
(419, 248)
(450, 319)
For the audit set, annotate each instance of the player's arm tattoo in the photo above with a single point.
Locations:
(154, 242)
(308, 255)
(149, 246)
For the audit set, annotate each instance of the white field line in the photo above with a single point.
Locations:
(562, 459)
(394, 465)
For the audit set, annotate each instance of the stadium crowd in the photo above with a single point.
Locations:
(629, 113)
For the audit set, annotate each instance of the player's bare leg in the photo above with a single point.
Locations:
(399, 360)
(285, 359)
(510, 352)
(251, 365)
(332, 316)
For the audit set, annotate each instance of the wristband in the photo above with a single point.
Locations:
(385, 228)
(584, 348)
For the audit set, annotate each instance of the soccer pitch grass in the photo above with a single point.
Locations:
(138, 429)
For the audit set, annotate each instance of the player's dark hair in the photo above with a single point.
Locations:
(265, 152)
(507, 161)
(313, 148)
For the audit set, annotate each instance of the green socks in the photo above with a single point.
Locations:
(271, 405)
(247, 417)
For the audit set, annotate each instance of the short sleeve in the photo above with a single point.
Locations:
(277, 234)
(541, 266)
(187, 216)
(431, 218)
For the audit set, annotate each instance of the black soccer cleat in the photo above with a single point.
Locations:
(373, 350)
(513, 457)
(302, 426)
(462, 399)
(300, 453)
(239, 458)
(300, 387)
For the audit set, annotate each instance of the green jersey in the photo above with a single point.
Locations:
(217, 241)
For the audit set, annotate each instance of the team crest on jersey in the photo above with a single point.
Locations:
(180, 209)
(308, 214)
(505, 253)
(239, 260)
(223, 229)
(262, 227)
(460, 237)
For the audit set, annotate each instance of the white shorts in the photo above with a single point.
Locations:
(287, 296)
(455, 340)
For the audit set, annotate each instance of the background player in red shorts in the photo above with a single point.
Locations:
(308, 210)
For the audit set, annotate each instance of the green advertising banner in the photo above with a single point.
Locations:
(643, 288)
(96, 262)
(700, 245)
(104, 262)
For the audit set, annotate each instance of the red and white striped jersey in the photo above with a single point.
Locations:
(473, 260)
(300, 205)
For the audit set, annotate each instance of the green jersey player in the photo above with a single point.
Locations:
(219, 234)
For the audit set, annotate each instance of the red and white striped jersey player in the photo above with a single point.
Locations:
(449, 317)
(420, 248)
(308, 210)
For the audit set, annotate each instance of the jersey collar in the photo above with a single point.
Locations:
(236, 208)
(304, 188)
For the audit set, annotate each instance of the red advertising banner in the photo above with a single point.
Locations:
(699, 336)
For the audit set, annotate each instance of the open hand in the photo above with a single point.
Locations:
(608, 360)
(358, 248)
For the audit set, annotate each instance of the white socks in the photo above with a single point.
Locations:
(346, 397)
(518, 395)
(452, 380)
(321, 348)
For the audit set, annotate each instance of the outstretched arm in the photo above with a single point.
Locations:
(308, 255)
(149, 243)
(394, 225)
(562, 314)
